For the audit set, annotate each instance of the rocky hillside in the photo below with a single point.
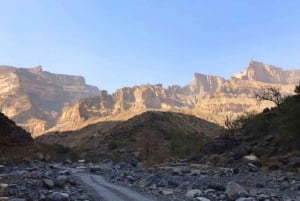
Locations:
(15, 143)
(34, 98)
(208, 97)
(11, 134)
(161, 132)
(269, 139)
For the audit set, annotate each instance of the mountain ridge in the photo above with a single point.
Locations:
(32, 98)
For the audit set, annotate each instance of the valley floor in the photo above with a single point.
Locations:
(121, 182)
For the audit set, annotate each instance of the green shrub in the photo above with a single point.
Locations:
(186, 144)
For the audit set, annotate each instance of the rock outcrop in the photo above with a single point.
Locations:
(209, 97)
(38, 100)
(269, 74)
(34, 98)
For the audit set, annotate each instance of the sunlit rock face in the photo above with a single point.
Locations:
(39, 100)
(34, 98)
(207, 96)
(269, 74)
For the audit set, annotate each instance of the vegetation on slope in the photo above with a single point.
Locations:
(282, 122)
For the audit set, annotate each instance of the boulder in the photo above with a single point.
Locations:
(235, 191)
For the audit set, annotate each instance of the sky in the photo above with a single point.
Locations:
(118, 43)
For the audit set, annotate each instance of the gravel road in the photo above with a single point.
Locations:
(104, 191)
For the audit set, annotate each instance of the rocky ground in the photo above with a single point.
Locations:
(39, 181)
(204, 183)
(173, 181)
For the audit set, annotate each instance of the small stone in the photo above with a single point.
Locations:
(57, 196)
(202, 199)
(2, 168)
(208, 191)
(95, 168)
(235, 191)
(262, 197)
(166, 192)
(172, 183)
(259, 185)
(269, 138)
(2, 186)
(193, 193)
(48, 183)
(252, 159)
(216, 186)
(246, 199)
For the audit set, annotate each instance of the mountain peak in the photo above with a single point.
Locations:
(258, 71)
(37, 69)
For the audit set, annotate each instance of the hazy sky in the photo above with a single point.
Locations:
(118, 43)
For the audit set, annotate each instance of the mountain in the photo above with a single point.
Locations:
(40, 101)
(154, 129)
(34, 98)
(270, 74)
(207, 96)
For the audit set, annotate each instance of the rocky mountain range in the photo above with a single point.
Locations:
(208, 97)
(34, 98)
(39, 100)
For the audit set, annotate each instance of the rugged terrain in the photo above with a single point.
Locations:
(15, 142)
(172, 181)
(34, 98)
(39, 100)
(150, 136)
(162, 155)
(208, 97)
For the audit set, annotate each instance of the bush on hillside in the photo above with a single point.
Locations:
(233, 125)
(186, 144)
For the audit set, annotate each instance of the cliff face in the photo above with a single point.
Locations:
(269, 74)
(209, 97)
(38, 100)
(202, 85)
(34, 98)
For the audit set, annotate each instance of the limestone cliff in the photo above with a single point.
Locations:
(38, 100)
(34, 98)
(209, 97)
(269, 74)
(202, 85)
